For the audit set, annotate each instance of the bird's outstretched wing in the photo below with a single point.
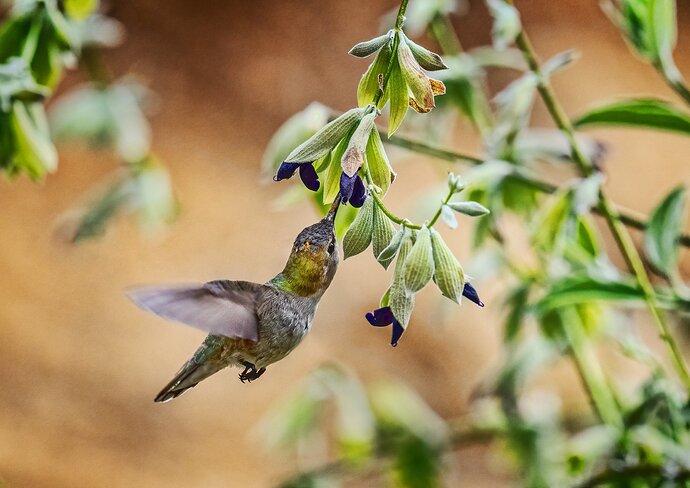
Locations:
(226, 308)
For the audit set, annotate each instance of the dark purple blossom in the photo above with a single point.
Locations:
(471, 294)
(307, 174)
(352, 190)
(384, 317)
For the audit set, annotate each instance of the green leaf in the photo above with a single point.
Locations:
(401, 299)
(650, 113)
(388, 253)
(575, 290)
(516, 304)
(450, 278)
(382, 235)
(326, 138)
(358, 236)
(332, 183)
(428, 60)
(367, 48)
(419, 265)
(369, 84)
(399, 98)
(377, 162)
(473, 209)
(552, 220)
(506, 23)
(92, 220)
(35, 152)
(663, 231)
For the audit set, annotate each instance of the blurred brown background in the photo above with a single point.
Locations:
(79, 364)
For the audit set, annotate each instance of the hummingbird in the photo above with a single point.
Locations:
(250, 325)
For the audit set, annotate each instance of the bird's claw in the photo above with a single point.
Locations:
(250, 372)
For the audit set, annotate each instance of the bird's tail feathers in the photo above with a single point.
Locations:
(188, 377)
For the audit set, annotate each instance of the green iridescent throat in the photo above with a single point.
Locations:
(303, 275)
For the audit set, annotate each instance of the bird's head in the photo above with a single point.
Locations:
(314, 258)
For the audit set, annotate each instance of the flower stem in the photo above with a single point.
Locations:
(444, 33)
(610, 213)
(433, 220)
(31, 42)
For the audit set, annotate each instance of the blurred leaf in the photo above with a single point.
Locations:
(516, 303)
(417, 465)
(507, 24)
(559, 62)
(377, 162)
(552, 145)
(551, 222)
(153, 197)
(449, 275)
(663, 231)
(358, 236)
(573, 290)
(291, 134)
(382, 235)
(586, 193)
(35, 153)
(369, 84)
(419, 265)
(650, 113)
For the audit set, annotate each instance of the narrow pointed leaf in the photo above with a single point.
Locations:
(655, 114)
(367, 48)
(473, 209)
(382, 234)
(325, 138)
(377, 162)
(663, 230)
(419, 265)
(353, 158)
(574, 290)
(428, 60)
(398, 92)
(358, 236)
(36, 153)
(389, 252)
(450, 278)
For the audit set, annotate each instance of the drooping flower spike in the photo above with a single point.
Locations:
(307, 174)
(384, 317)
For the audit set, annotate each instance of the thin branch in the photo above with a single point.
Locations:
(608, 210)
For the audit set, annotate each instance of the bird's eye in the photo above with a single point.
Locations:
(331, 246)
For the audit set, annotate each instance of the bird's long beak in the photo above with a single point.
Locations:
(330, 216)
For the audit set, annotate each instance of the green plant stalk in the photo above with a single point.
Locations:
(610, 213)
(682, 90)
(31, 42)
(433, 220)
(627, 216)
(590, 371)
(444, 33)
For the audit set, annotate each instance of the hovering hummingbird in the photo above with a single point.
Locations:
(249, 325)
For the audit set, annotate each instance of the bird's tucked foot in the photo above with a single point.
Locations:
(250, 372)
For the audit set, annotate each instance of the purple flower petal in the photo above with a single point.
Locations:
(359, 193)
(309, 177)
(398, 331)
(381, 317)
(285, 171)
(347, 184)
(471, 294)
